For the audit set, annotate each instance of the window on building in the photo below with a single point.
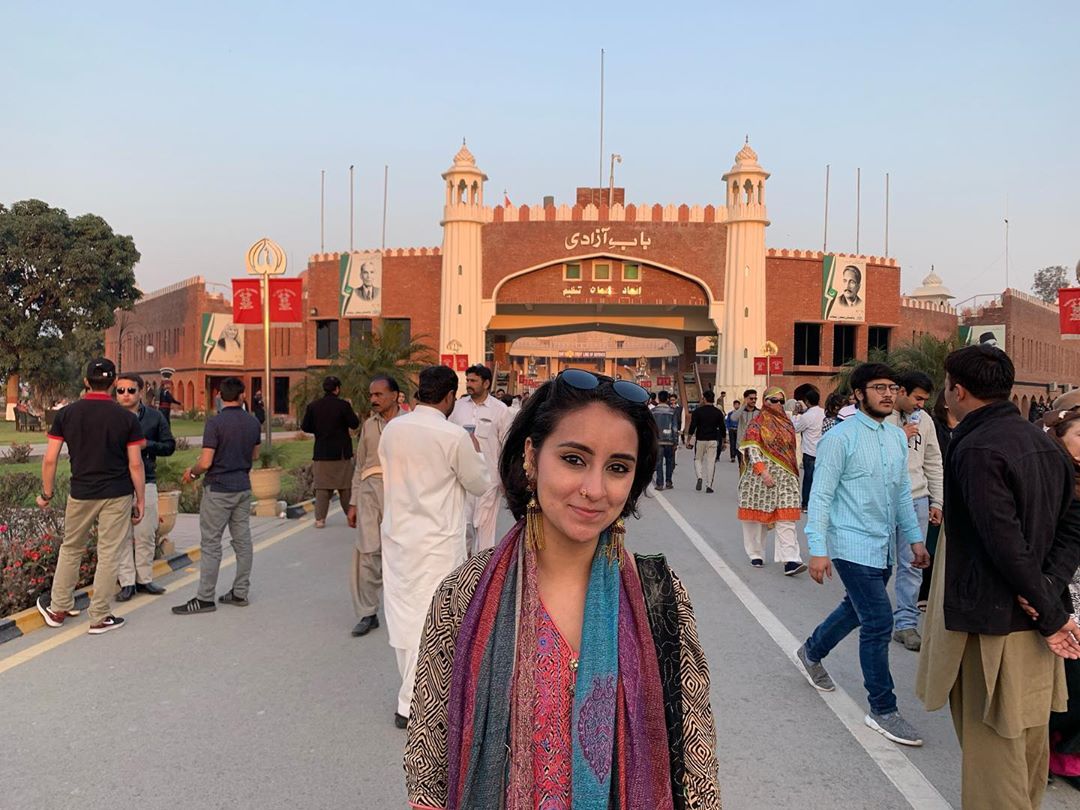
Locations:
(878, 338)
(403, 326)
(326, 339)
(808, 344)
(601, 272)
(281, 394)
(359, 330)
(843, 348)
(571, 272)
(631, 272)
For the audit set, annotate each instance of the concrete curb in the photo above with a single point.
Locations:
(29, 620)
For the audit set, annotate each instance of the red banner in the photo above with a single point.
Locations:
(246, 301)
(461, 362)
(1069, 312)
(446, 360)
(776, 365)
(761, 366)
(663, 380)
(286, 300)
(645, 383)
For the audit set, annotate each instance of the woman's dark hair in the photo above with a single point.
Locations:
(985, 371)
(940, 411)
(539, 417)
(834, 403)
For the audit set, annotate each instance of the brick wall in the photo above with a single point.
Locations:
(696, 248)
(657, 286)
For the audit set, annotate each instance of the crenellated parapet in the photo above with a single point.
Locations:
(602, 213)
(785, 253)
(388, 252)
(932, 306)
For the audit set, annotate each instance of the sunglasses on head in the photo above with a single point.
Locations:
(132, 390)
(584, 380)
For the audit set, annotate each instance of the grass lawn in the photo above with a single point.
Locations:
(8, 434)
(297, 453)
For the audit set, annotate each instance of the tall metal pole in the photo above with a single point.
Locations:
(350, 208)
(601, 120)
(385, 184)
(322, 212)
(825, 243)
(268, 387)
(1006, 253)
(611, 178)
(886, 214)
(858, 207)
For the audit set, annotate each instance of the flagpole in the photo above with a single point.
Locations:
(825, 243)
(268, 394)
(858, 207)
(886, 214)
(601, 124)
(385, 185)
(350, 208)
(322, 211)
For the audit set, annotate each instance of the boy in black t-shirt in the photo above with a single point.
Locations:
(107, 487)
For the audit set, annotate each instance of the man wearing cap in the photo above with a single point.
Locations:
(331, 418)
(107, 488)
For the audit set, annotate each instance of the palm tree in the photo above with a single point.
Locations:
(925, 353)
(385, 351)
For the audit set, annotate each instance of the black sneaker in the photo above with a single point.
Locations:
(194, 605)
(105, 625)
(232, 599)
(793, 568)
(698, 487)
(400, 722)
(709, 490)
(757, 563)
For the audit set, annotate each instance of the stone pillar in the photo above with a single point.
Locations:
(743, 332)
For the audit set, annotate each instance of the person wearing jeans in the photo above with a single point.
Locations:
(230, 445)
(860, 500)
(668, 434)
(927, 493)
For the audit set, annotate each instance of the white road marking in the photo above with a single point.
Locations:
(898, 769)
(79, 630)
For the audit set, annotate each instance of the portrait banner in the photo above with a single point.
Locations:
(988, 334)
(222, 340)
(246, 301)
(361, 284)
(843, 289)
(286, 299)
(1069, 312)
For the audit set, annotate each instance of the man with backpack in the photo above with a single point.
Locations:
(669, 439)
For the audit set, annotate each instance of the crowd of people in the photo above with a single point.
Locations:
(555, 668)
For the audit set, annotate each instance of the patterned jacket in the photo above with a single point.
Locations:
(426, 755)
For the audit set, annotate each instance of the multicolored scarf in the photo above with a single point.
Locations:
(619, 734)
(773, 434)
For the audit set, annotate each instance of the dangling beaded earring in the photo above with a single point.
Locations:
(618, 539)
(534, 524)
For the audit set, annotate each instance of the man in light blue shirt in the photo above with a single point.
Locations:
(860, 501)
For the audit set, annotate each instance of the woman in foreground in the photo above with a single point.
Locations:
(558, 671)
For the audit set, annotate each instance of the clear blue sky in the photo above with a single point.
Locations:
(198, 130)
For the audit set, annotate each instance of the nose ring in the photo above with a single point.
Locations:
(584, 492)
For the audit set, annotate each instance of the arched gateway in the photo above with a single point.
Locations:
(602, 265)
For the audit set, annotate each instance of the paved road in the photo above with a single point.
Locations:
(276, 706)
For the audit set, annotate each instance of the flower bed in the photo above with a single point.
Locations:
(29, 547)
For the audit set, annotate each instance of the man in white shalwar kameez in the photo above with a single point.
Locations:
(488, 420)
(429, 465)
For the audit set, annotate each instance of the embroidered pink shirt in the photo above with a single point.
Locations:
(556, 671)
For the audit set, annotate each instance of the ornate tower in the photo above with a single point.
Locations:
(460, 328)
(742, 333)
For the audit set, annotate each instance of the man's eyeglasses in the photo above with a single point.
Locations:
(127, 390)
(881, 388)
(584, 380)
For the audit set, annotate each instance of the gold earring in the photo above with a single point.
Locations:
(534, 525)
(618, 541)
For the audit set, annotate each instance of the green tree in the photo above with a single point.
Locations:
(925, 353)
(1048, 281)
(63, 277)
(385, 351)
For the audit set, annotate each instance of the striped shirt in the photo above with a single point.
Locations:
(861, 493)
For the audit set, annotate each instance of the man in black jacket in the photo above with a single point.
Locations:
(330, 419)
(998, 622)
(706, 435)
(135, 568)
